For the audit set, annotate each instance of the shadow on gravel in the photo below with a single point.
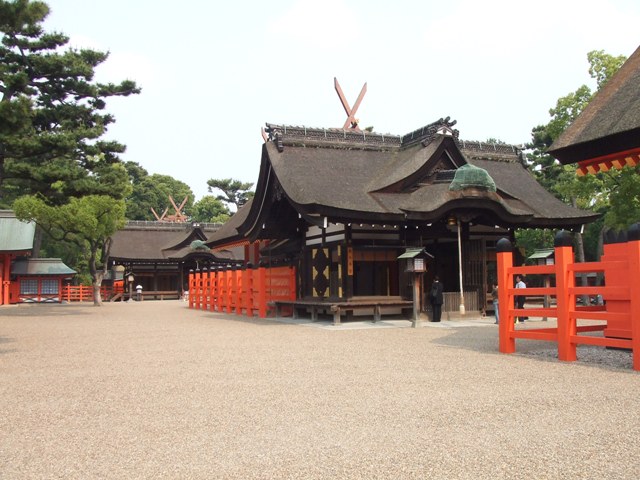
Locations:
(479, 339)
(230, 317)
(4, 341)
(44, 310)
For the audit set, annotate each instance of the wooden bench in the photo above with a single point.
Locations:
(162, 294)
(338, 307)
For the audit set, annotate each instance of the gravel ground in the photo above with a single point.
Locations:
(155, 390)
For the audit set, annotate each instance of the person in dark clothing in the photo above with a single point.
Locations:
(435, 298)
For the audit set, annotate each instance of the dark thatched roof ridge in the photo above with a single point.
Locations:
(228, 233)
(154, 242)
(315, 176)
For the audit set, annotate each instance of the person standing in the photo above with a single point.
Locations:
(520, 299)
(436, 299)
(494, 298)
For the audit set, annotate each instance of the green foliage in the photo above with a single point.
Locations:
(624, 199)
(603, 66)
(586, 192)
(87, 222)
(153, 192)
(531, 239)
(55, 168)
(593, 192)
(210, 209)
(234, 192)
(51, 111)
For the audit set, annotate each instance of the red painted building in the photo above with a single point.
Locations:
(26, 279)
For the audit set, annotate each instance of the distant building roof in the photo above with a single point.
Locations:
(161, 241)
(40, 267)
(15, 235)
(542, 253)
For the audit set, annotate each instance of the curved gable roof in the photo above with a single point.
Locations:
(315, 175)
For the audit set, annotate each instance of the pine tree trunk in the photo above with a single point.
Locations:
(96, 278)
(37, 242)
(97, 285)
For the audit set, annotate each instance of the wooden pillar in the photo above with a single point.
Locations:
(417, 288)
(504, 249)
(566, 299)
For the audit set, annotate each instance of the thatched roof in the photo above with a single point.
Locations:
(159, 242)
(610, 123)
(315, 176)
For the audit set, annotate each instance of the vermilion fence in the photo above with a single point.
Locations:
(619, 315)
(241, 291)
(84, 293)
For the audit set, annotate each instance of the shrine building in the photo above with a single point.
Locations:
(341, 205)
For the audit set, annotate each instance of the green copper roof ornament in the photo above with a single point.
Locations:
(470, 176)
(199, 246)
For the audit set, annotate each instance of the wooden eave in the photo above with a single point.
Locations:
(628, 141)
(617, 160)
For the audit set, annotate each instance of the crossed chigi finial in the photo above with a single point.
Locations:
(352, 121)
(177, 217)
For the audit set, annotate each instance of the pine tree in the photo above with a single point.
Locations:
(51, 111)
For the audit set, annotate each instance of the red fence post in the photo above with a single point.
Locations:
(634, 282)
(198, 291)
(224, 286)
(504, 249)
(230, 285)
(262, 292)
(237, 275)
(565, 298)
(248, 290)
(213, 286)
(205, 289)
(192, 289)
(292, 282)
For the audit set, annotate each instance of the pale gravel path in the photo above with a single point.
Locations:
(155, 390)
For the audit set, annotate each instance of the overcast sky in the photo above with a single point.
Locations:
(213, 73)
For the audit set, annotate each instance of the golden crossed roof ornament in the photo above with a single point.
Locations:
(178, 217)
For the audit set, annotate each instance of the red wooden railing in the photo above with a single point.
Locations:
(84, 293)
(620, 314)
(241, 291)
